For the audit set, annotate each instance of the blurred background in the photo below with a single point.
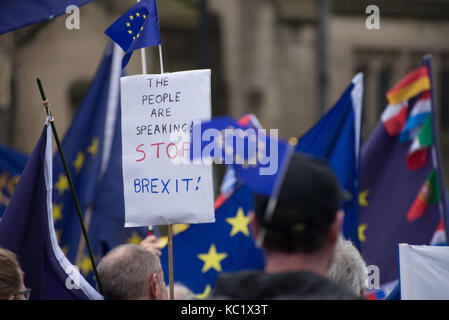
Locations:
(286, 61)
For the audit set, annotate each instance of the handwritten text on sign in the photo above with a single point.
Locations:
(157, 114)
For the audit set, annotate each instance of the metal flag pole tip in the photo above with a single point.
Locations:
(46, 105)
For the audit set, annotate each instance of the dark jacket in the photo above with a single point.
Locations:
(255, 285)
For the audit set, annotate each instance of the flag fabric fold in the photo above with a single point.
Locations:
(137, 28)
(92, 147)
(15, 14)
(27, 230)
(11, 166)
(336, 137)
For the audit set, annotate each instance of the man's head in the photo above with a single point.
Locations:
(11, 277)
(348, 268)
(307, 218)
(130, 272)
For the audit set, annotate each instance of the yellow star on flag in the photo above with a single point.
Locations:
(137, 14)
(131, 17)
(62, 184)
(93, 148)
(239, 223)
(57, 212)
(128, 24)
(144, 16)
(130, 31)
(293, 141)
(85, 265)
(135, 238)
(205, 293)
(362, 229)
(363, 202)
(212, 259)
(79, 161)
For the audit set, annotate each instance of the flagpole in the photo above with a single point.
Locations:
(160, 59)
(170, 262)
(144, 71)
(170, 226)
(82, 243)
(144, 57)
(436, 156)
(144, 61)
(72, 188)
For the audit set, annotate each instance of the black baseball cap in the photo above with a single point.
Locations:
(311, 194)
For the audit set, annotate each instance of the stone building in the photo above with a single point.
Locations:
(266, 58)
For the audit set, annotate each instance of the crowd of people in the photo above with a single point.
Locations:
(305, 254)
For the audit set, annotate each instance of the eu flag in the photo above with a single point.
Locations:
(255, 156)
(11, 166)
(27, 230)
(336, 137)
(15, 14)
(137, 28)
(92, 147)
(201, 251)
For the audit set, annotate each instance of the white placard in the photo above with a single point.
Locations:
(157, 113)
(424, 272)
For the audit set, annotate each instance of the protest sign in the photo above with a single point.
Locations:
(424, 272)
(157, 114)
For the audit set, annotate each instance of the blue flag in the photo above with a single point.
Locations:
(92, 148)
(15, 14)
(27, 230)
(201, 251)
(137, 28)
(11, 166)
(336, 137)
(256, 163)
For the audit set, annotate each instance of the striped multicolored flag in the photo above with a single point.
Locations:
(416, 118)
(413, 84)
(417, 154)
(394, 118)
(413, 93)
(428, 194)
(439, 237)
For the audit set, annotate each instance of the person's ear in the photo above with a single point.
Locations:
(154, 287)
(253, 224)
(336, 227)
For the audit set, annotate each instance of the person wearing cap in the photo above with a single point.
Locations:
(298, 238)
